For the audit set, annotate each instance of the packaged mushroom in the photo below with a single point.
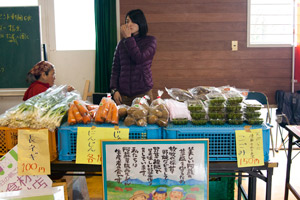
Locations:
(158, 112)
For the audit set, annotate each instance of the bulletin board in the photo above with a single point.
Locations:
(145, 168)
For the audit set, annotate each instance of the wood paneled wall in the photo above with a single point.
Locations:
(194, 47)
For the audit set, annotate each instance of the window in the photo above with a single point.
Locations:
(74, 24)
(270, 23)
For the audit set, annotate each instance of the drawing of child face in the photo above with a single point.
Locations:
(158, 196)
(176, 195)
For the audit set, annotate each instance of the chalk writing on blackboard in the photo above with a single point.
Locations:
(15, 17)
(13, 33)
(2, 69)
(20, 44)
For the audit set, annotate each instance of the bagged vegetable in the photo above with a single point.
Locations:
(137, 113)
(158, 112)
(177, 110)
(44, 110)
(143, 101)
(199, 92)
(179, 94)
(107, 111)
(122, 111)
(79, 113)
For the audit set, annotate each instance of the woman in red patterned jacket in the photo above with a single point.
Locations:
(131, 75)
(40, 77)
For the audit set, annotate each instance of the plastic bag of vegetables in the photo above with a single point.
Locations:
(158, 112)
(44, 110)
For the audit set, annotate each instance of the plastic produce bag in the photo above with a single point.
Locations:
(44, 110)
(137, 113)
(158, 112)
(177, 110)
(179, 94)
(199, 92)
(107, 111)
(122, 111)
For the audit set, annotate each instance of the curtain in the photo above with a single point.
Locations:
(106, 41)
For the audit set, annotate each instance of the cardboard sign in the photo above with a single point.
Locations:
(34, 156)
(88, 142)
(249, 147)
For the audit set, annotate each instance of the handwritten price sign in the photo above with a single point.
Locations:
(249, 147)
(88, 142)
(26, 167)
(34, 157)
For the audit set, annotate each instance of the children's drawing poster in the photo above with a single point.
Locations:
(155, 169)
(9, 179)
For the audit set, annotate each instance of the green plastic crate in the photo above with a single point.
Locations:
(221, 188)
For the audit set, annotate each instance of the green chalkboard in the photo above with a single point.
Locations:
(20, 44)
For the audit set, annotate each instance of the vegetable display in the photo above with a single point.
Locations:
(44, 110)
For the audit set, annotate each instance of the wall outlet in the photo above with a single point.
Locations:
(234, 45)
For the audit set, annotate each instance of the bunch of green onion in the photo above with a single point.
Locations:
(44, 110)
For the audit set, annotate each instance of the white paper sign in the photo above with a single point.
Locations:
(9, 179)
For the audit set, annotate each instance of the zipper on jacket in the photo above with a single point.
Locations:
(130, 79)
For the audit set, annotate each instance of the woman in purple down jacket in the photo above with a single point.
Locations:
(131, 74)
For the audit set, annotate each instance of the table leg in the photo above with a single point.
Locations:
(252, 188)
(239, 186)
(288, 167)
(269, 183)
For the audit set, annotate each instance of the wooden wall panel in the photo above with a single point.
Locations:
(194, 47)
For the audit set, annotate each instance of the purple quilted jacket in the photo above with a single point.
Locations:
(131, 69)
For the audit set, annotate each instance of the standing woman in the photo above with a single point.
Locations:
(131, 75)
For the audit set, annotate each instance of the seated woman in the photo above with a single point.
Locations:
(41, 77)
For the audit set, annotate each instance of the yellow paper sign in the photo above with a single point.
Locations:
(88, 142)
(249, 147)
(33, 152)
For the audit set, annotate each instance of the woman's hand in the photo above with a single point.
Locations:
(70, 88)
(125, 31)
(117, 97)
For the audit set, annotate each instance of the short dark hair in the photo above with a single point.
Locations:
(137, 16)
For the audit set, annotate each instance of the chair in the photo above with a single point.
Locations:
(86, 92)
(96, 97)
(263, 99)
(279, 129)
(287, 112)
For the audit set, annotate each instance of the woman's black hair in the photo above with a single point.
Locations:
(137, 16)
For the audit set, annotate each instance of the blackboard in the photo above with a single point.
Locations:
(20, 44)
